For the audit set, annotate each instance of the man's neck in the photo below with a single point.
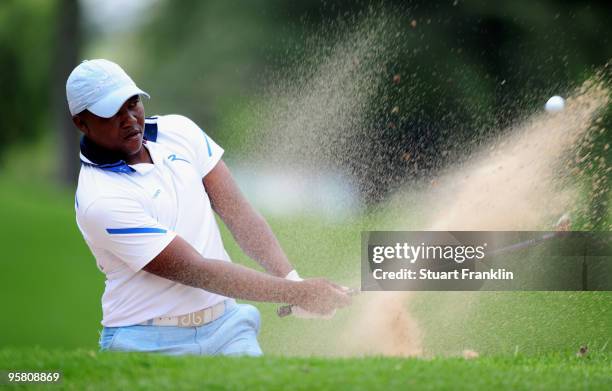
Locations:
(143, 156)
(100, 155)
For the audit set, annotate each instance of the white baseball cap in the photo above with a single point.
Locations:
(101, 87)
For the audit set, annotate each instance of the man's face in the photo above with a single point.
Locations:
(122, 133)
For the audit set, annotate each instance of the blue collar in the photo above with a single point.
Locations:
(104, 159)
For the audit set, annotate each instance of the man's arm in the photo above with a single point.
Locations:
(180, 262)
(249, 228)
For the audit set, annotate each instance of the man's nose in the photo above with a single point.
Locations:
(128, 117)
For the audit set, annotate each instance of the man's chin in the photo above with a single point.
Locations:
(134, 146)
(135, 141)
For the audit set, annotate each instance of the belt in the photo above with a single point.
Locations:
(193, 319)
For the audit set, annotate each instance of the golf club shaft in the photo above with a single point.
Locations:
(287, 310)
(526, 243)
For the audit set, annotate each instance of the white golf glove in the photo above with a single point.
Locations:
(299, 312)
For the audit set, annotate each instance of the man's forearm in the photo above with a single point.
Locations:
(249, 228)
(256, 239)
(182, 263)
(232, 280)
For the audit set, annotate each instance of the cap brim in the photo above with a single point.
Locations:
(111, 103)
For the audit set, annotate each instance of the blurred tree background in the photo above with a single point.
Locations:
(464, 69)
(26, 57)
(454, 74)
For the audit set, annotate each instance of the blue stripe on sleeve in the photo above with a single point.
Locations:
(122, 231)
(207, 145)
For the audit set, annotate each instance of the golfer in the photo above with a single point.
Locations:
(146, 194)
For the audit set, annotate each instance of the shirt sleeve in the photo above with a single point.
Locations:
(122, 227)
(210, 157)
(205, 152)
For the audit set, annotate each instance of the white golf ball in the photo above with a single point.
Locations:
(555, 104)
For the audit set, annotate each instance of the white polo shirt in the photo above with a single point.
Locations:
(129, 213)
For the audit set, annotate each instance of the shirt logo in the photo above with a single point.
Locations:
(157, 192)
(174, 158)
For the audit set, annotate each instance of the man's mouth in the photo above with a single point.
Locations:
(133, 134)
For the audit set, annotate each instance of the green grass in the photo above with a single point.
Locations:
(51, 292)
(50, 285)
(51, 289)
(89, 370)
(532, 323)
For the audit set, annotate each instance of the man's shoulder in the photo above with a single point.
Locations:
(177, 133)
(95, 185)
(173, 130)
(170, 124)
(171, 119)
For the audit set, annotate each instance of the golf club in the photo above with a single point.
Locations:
(287, 310)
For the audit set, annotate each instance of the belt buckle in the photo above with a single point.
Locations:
(192, 319)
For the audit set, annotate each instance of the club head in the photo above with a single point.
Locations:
(564, 223)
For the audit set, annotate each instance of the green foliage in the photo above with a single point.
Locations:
(592, 167)
(205, 58)
(467, 69)
(26, 49)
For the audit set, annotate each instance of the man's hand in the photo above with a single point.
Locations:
(319, 296)
(300, 312)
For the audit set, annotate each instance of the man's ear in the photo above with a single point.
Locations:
(79, 122)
